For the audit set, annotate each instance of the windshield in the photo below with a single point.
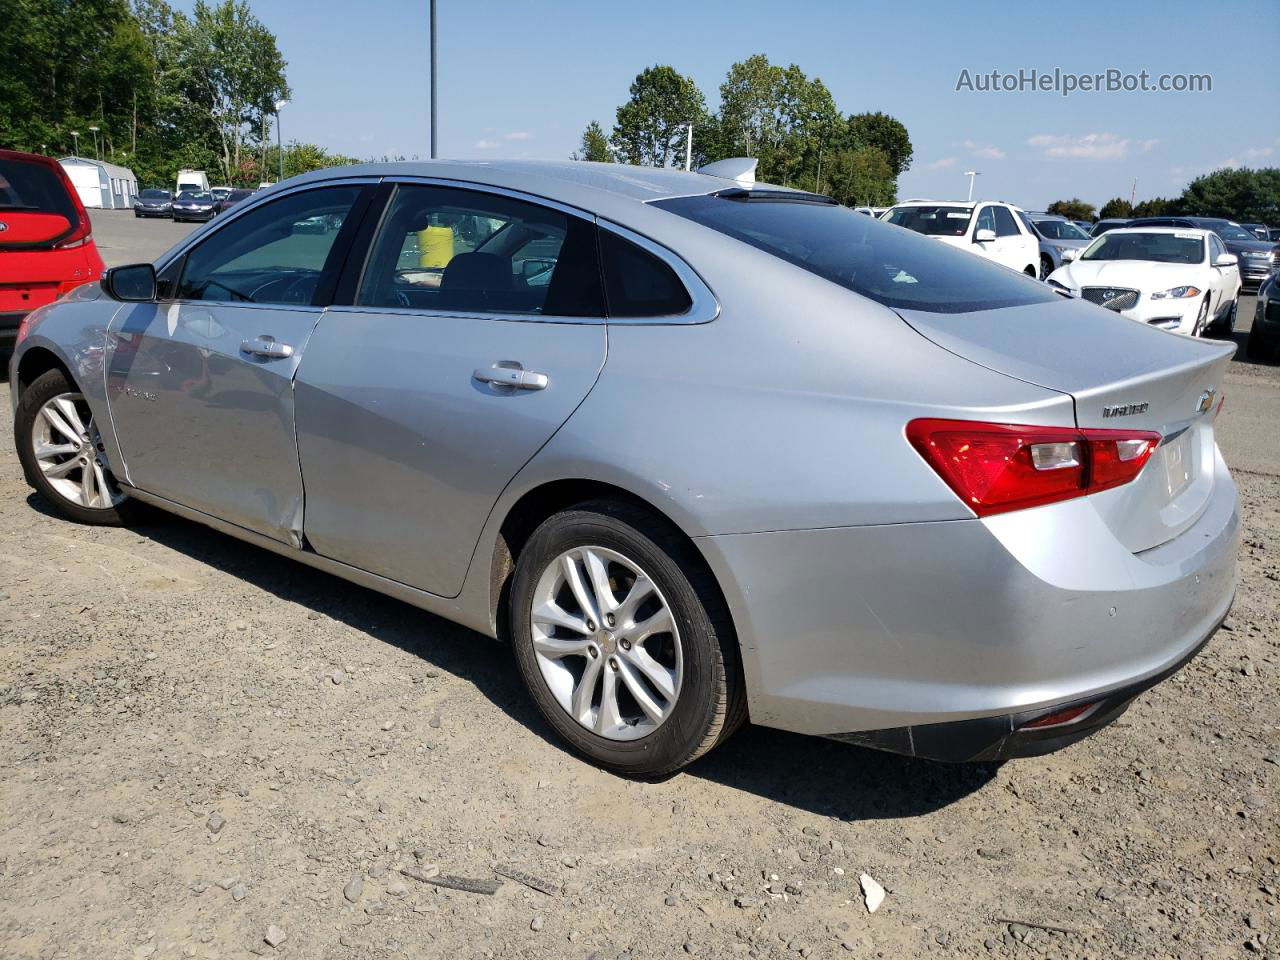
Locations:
(1060, 230)
(893, 267)
(190, 196)
(933, 221)
(1228, 230)
(154, 195)
(1153, 247)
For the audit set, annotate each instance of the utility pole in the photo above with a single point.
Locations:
(280, 139)
(688, 150)
(1133, 194)
(433, 79)
(972, 174)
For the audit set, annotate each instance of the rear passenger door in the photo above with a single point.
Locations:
(1013, 248)
(472, 330)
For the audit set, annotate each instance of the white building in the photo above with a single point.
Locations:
(100, 184)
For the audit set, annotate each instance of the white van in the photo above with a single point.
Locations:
(193, 180)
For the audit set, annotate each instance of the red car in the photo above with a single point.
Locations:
(46, 241)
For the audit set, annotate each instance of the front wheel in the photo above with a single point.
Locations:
(1202, 319)
(61, 452)
(1046, 266)
(622, 640)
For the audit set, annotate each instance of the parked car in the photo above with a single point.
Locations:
(1257, 257)
(220, 193)
(744, 453)
(46, 239)
(1275, 235)
(1264, 335)
(1259, 230)
(1086, 226)
(231, 199)
(990, 229)
(153, 203)
(1102, 226)
(1179, 280)
(194, 206)
(1056, 235)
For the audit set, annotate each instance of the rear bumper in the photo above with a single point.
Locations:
(1006, 737)
(866, 633)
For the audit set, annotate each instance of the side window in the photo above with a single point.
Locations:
(986, 221)
(1005, 225)
(466, 251)
(1216, 249)
(274, 254)
(638, 284)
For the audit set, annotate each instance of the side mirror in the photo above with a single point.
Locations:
(984, 236)
(1069, 254)
(1226, 260)
(135, 283)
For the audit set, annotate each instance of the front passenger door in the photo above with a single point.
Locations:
(200, 384)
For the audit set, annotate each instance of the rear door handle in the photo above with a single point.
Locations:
(508, 373)
(267, 347)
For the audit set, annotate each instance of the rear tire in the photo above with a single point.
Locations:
(641, 701)
(1046, 266)
(1258, 347)
(1030, 271)
(58, 444)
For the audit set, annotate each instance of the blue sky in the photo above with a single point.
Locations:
(522, 79)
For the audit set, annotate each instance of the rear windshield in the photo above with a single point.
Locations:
(154, 195)
(34, 188)
(1060, 230)
(1154, 247)
(895, 267)
(933, 221)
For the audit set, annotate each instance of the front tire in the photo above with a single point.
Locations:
(623, 641)
(1046, 266)
(61, 452)
(1202, 319)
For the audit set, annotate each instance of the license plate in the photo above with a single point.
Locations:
(1177, 464)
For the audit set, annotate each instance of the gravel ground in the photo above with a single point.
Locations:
(209, 751)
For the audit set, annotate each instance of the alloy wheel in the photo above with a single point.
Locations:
(606, 643)
(68, 449)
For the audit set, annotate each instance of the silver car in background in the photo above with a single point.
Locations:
(701, 448)
(1057, 235)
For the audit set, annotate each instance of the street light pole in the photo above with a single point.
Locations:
(688, 150)
(433, 79)
(280, 139)
(75, 140)
(972, 174)
(97, 154)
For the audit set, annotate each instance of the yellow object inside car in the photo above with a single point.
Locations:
(435, 246)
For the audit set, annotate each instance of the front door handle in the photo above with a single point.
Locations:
(267, 347)
(508, 373)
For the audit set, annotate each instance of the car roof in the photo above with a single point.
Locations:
(569, 177)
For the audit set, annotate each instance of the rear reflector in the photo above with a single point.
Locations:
(998, 467)
(1060, 717)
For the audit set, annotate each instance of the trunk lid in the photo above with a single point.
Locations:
(1122, 375)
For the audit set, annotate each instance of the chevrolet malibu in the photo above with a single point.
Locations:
(702, 449)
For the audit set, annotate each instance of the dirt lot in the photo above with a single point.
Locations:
(200, 742)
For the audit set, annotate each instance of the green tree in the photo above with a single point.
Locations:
(885, 133)
(860, 177)
(1117, 208)
(1237, 194)
(1156, 207)
(595, 145)
(1073, 209)
(650, 128)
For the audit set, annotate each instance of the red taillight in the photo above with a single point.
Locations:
(998, 467)
(1060, 717)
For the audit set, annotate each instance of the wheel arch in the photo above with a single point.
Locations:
(35, 363)
(548, 498)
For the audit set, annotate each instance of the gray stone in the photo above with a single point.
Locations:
(536, 924)
(275, 936)
(353, 889)
(215, 823)
(239, 892)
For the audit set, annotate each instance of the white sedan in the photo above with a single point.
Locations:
(1179, 280)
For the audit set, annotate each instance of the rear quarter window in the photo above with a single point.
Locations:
(638, 284)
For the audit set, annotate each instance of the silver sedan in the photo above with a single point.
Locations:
(701, 448)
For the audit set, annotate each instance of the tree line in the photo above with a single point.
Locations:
(1240, 194)
(166, 90)
(787, 121)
